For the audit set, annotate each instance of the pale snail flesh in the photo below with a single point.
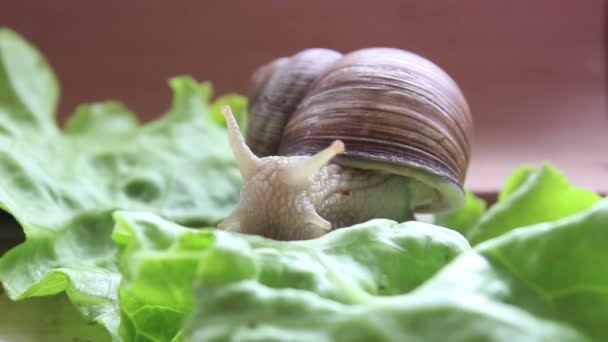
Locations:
(338, 140)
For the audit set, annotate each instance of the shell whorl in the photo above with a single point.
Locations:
(276, 89)
(394, 110)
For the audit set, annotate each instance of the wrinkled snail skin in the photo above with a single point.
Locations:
(336, 140)
(302, 197)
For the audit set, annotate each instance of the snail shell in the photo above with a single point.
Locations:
(276, 90)
(395, 111)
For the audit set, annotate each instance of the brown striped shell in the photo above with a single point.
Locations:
(276, 90)
(395, 111)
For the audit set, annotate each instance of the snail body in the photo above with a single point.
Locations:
(398, 130)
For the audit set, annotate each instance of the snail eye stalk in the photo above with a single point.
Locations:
(246, 160)
(298, 173)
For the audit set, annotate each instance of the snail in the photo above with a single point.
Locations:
(336, 140)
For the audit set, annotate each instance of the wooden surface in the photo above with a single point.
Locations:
(534, 71)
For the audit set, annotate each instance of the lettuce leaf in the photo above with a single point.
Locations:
(29, 90)
(465, 219)
(30, 320)
(535, 283)
(63, 185)
(162, 260)
(531, 195)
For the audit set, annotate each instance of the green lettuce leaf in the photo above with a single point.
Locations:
(29, 91)
(465, 219)
(531, 195)
(552, 270)
(49, 319)
(161, 261)
(63, 185)
(544, 282)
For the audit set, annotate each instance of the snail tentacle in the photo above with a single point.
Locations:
(232, 222)
(299, 173)
(246, 160)
(314, 219)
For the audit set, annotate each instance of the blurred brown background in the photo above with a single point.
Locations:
(534, 71)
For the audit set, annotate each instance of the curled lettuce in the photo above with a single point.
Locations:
(378, 281)
(46, 318)
(354, 266)
(531, 195)
(543, 282)
(63, 185)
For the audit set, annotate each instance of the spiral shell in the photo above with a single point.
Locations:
(395, 111)
(276, 90)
